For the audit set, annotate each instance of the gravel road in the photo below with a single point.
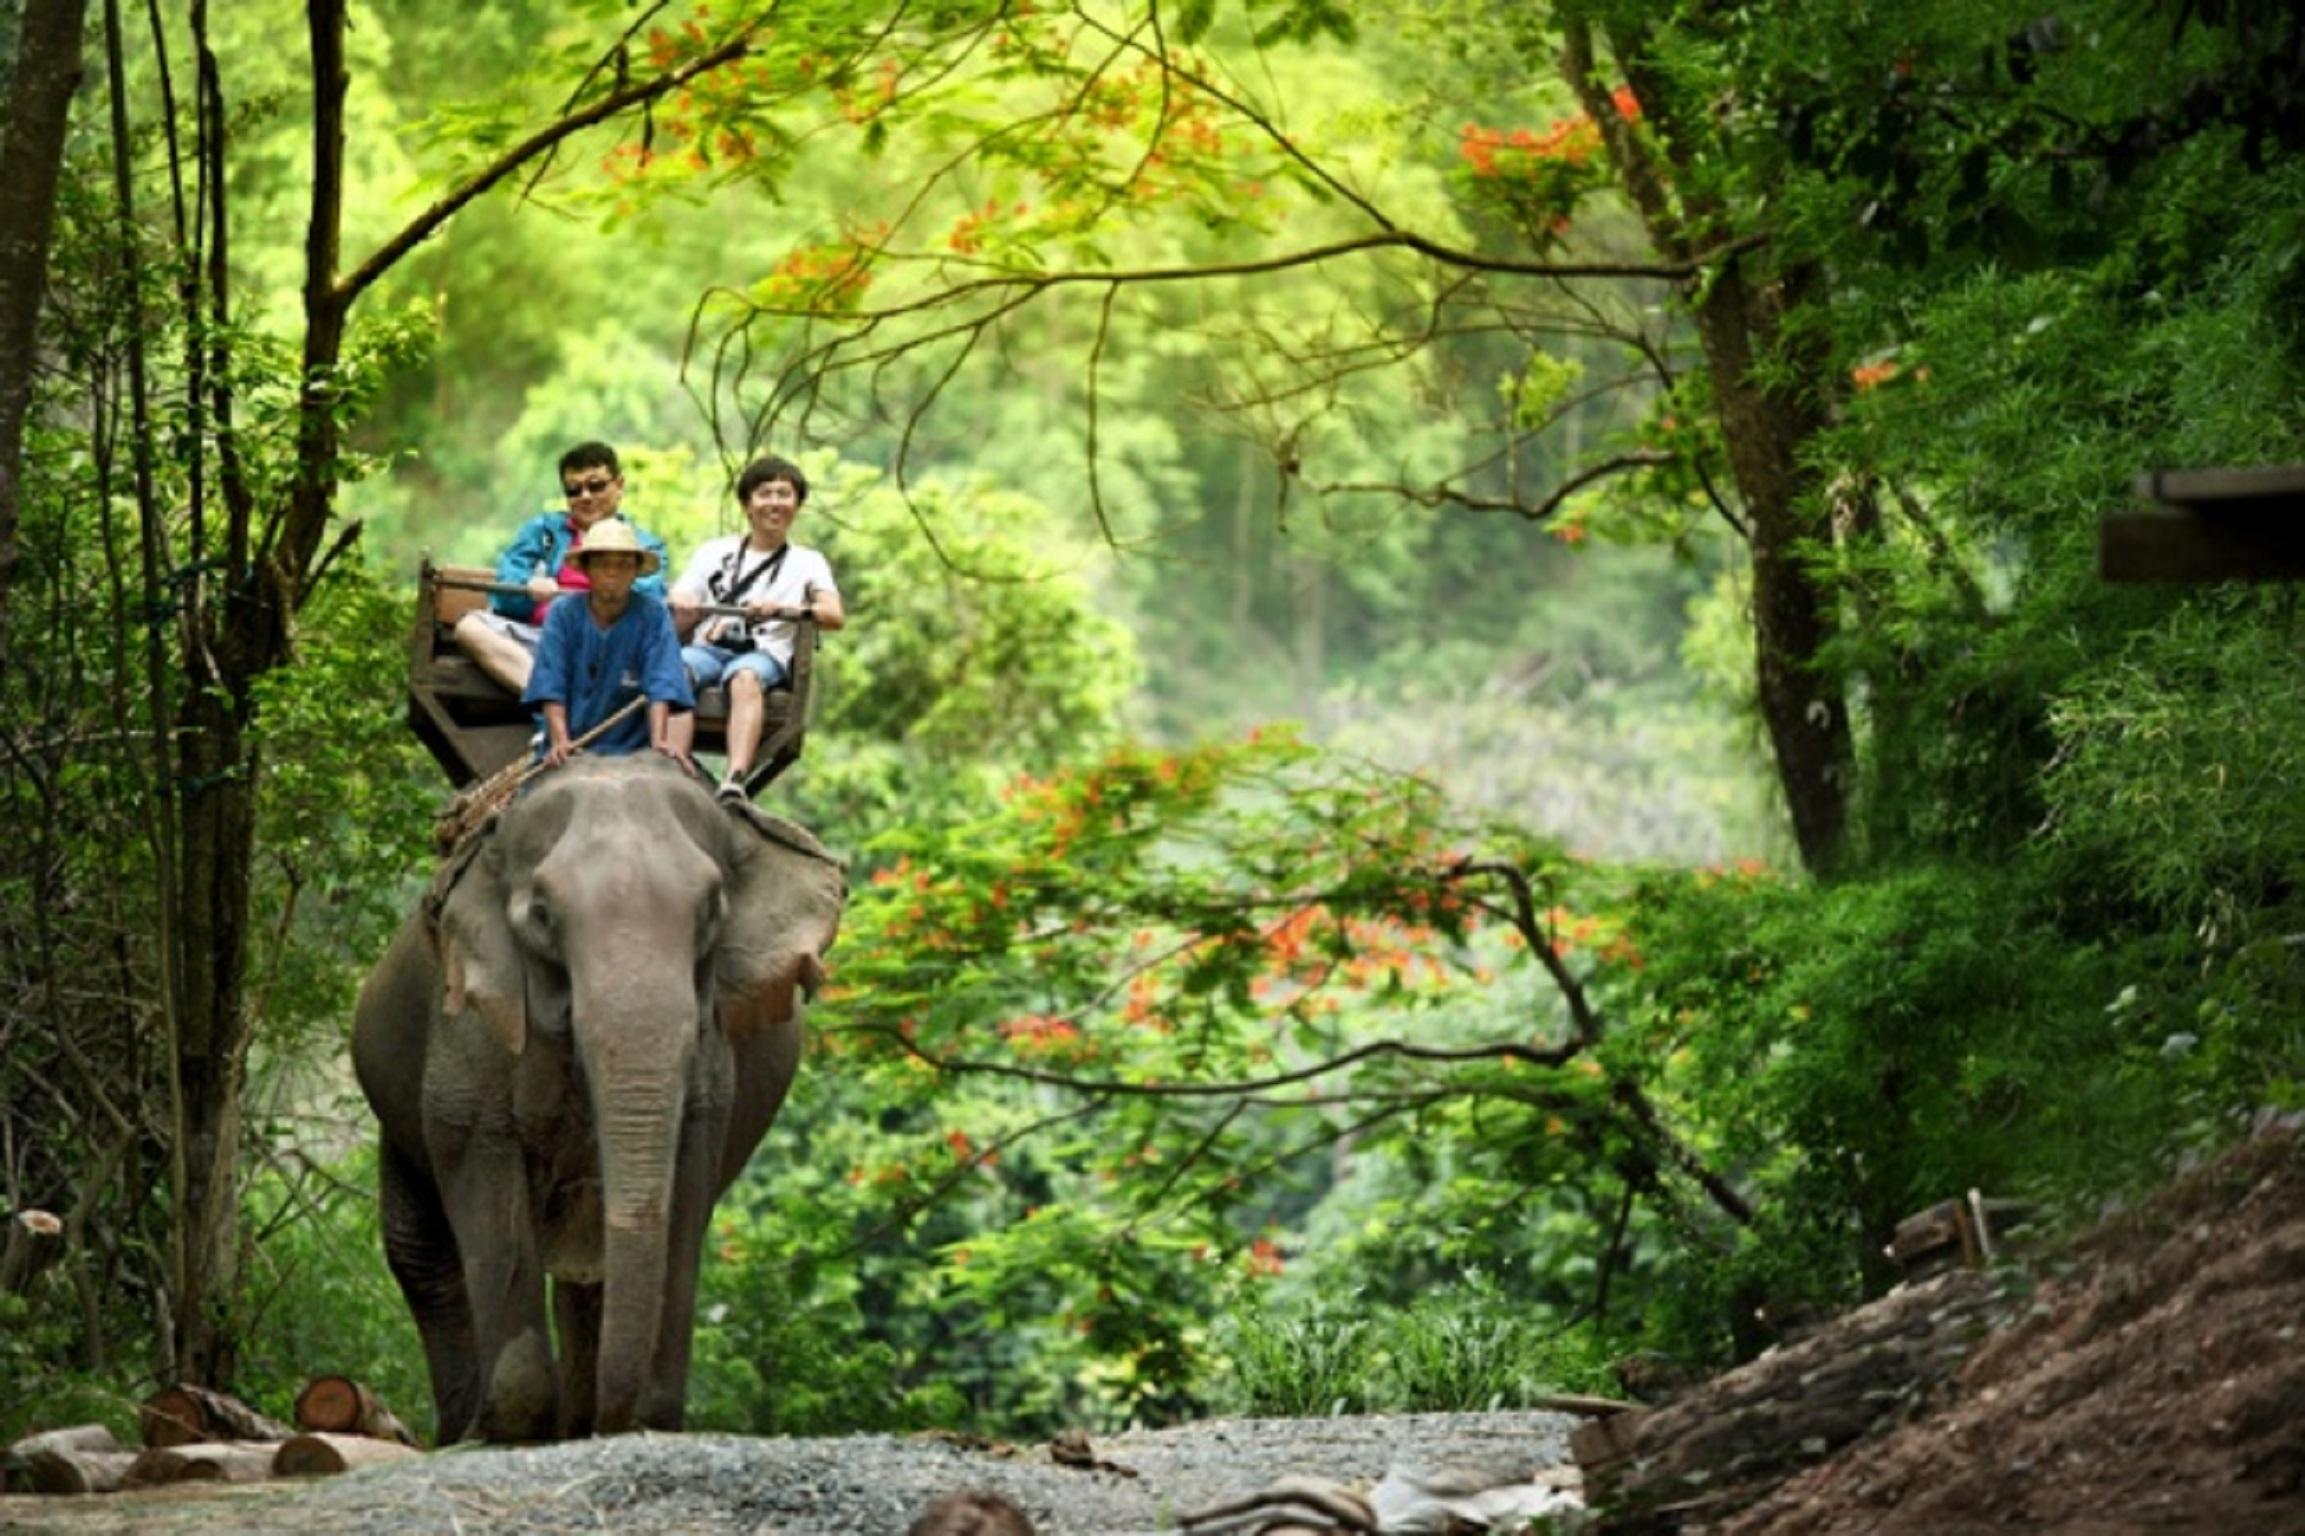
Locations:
(870, 1485)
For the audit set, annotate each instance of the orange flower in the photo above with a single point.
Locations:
(1872, 375)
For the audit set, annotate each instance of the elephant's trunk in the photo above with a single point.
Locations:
(639, 1070)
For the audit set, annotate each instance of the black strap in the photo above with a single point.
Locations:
(770, 567)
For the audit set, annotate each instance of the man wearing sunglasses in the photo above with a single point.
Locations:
(501, 639)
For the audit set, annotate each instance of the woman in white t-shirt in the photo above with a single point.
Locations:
(774, 581)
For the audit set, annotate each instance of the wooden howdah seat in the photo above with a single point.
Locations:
(473, 727)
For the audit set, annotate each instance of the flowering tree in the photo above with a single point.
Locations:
(1612, 234)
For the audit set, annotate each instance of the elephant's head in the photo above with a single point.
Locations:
(619, 917)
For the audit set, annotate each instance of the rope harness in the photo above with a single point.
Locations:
(474, 808)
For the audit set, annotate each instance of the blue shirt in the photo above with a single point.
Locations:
(594, 672)
(540, 548)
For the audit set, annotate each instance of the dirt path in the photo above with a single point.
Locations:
(871, 1485)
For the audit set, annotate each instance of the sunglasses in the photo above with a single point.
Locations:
(594, 487)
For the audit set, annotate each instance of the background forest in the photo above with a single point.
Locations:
(1478, 731)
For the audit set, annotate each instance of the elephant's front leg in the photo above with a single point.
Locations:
(696, 1182)
(421, 1250)
(486, 1192)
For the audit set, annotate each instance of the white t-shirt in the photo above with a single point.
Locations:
(724, 565)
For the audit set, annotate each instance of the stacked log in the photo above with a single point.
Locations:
(82, 1459)
(1724, 1445)
(324, 1454)
(228, 1461)
(338, 1405)
(189, 1415)
(193, 1434)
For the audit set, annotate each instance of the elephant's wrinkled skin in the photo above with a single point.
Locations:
(569, 1065)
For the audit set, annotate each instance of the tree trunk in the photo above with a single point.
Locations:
(217, 833)
(1765, 428)
(40, 101)
(1765, 425)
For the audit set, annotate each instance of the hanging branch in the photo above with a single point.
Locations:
(162, 791)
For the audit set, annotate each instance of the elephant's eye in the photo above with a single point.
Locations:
(533, 916)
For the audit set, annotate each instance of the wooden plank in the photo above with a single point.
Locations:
(453, 603)
(1927, 1231)
(2192, 544)
(2200, 487)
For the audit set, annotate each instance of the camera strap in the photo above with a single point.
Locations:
(737, 584)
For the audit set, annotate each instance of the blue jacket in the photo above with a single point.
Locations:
(538, 550)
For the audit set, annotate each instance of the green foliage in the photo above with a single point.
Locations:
(1859, 1051)
(1131, 982)
(1468, 1349)
(2176, 758)
(317, 1296)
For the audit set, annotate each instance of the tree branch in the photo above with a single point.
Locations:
(425, 224)
(1375, 240)
(1440, 495)
(1502, 1051)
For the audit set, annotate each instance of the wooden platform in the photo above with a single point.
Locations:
(2209, 525)
(473, 727)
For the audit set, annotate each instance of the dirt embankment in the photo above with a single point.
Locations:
(2155, 1382)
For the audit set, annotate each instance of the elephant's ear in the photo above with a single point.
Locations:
(479, 959)
(784, 899)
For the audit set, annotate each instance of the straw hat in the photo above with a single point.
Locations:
(614, 536)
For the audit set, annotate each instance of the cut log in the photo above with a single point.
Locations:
(80, 1437)
(230, 1461)
(323, 1454)
(189, 1415)
(34, 1239)
(70, 1472)
(340, 1405)
(1730, 1442)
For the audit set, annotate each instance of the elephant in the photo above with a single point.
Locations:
(571, 1052)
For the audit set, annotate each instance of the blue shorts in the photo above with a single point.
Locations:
(712, 665)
